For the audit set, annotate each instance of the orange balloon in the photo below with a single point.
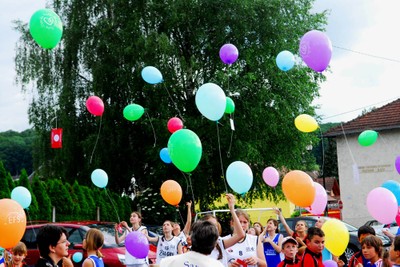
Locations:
(298, 188)
(12, 223)
(171, 192)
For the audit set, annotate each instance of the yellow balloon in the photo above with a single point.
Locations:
(298, 188)
(305, 123)
(336, 236)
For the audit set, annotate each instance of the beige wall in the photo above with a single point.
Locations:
(375, 165)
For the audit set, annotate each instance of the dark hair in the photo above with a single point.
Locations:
(375, 242)
(365, 229)
(49, 235)
(207, 217)
(396, 243)
(314, 231)
(276, 223)
(204, 237)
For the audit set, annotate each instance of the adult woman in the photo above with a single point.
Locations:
(248, 250)
(300, 232)
(227, 242)
(136, 222)
(272, 243)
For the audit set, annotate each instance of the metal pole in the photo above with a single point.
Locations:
(326, 213)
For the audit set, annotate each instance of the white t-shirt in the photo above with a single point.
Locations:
(167, 248)
(131, 260)
(190, 258)
(243, 250)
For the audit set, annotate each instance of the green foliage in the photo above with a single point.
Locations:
(39, 190)
(5, 190)
(104, 47)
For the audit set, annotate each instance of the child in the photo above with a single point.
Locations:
(16, 259)
(394, 252)
(315, 242)
(358, 257)
(92, 243)
(372, 250)
(289, 249)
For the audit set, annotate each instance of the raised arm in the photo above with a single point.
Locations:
(283, 221)
(152, 239)
(119, 239)
(238, 233)
(186, 229)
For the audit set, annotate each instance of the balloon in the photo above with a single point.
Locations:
(133, 112)
(397, 164)
(77, 257)
(22, 196)
(152, 75)
(99, 178)
(316, 50)
(378, 198)
(330, 263)
(230, 105)
(185, 150)
(46, 28)
(171, 192)
(305, 123)
(398, 217)
(336, 236)
(164, 155)
(174, 124)
(228, 53)
(394, 187)
(320, 200)
(211, 101)
(285, 60)
(239, 177)
(298, 187)
(137, 244)
(95, 105)
(367, 138)
(12, 223)
(270, 176)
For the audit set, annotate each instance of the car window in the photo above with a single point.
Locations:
(75, 236)
(29, 238)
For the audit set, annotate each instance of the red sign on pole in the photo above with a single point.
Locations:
(340, 204)
(56, 138)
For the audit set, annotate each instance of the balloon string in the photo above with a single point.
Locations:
(228, 154)
(220, 159)
(97, 139)
(30, 221)
(348, 146)
(189, 184)
(112, 203)
(323, 152)
(154, 132)
(175, 106)
(302, 96)
(180, 215)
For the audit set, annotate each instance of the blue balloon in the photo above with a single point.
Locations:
(22, 196)
(152, 75)
(164, 155)
(211, 101)
(77, 257)
(394, 187)
(285, 60)
(99, 178)
(239, 177)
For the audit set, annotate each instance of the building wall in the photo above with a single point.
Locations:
(374, 165)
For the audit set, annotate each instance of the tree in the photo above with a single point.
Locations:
(105, 46)
(33, 208)
(5, 191)
(39, 190)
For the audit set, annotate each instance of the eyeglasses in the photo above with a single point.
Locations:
(63, 242)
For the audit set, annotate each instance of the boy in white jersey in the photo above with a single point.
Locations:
(167, 245)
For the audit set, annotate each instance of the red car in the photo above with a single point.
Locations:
(114, 255)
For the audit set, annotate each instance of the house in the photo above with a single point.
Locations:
(363, 168)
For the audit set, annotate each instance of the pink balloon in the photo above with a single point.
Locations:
(95, 105)
(228, 53)
(398, 217)
(382, 205)
(320, 200)
(270, 176)
(174, 124)
(316, 50)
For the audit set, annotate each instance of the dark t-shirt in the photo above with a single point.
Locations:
(47, 262)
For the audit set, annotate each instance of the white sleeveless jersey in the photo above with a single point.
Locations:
(243, 250)
(131, 260)
(215, 253)
(166, 248)
(182, 237)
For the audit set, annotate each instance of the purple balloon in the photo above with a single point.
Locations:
(316, 50)
(137, 244)
(228, 53)
(397, 164)
(270, 176)
(330, 263)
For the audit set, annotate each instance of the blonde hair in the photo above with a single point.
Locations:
(94, 241)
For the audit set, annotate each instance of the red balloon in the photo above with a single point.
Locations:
(95, 105)
(398, 217)
(174, 124)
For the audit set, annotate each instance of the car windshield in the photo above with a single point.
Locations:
(108, 232)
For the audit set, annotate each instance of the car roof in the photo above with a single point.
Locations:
(70, 224)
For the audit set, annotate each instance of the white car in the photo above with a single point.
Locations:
(393, 227)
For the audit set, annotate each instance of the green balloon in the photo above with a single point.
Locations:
(133, 112)
(184, 148)
(367, 138)
(230, 105)
(46, 28)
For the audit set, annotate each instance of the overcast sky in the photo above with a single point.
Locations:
(367, 77)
